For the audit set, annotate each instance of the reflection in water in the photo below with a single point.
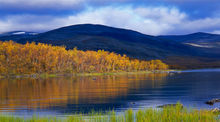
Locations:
(61, 92)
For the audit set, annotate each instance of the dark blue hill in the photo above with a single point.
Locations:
(123, 41)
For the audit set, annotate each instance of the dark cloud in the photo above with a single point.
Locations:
(198, 8)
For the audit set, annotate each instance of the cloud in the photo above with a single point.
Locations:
(205, 24)
(73, 4)
(146, 20)
(216, 32)
(28, 23)
(194, 8)
(40, 3)
(149, 20)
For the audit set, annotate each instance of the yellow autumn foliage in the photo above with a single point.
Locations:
(33, 58)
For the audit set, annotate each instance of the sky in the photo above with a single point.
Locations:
(153, 17)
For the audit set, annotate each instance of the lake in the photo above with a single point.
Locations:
(63, 96)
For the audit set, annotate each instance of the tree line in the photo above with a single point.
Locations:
(43, 58)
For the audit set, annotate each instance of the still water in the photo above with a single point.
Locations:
(67, 95)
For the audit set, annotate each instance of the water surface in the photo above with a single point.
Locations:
(67, 95)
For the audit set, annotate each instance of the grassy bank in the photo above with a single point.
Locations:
(168, 114)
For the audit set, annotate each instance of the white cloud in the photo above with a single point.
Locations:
(148, 20)
(216, 32)
(199, 25)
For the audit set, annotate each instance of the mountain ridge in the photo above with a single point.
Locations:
(124, 41)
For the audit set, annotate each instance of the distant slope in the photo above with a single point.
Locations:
(19, 33)
(16, 35)
(194, 37)
(203, 42)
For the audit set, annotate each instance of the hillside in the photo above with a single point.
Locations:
(95, 37)
(203, 42)
(199, 37)
(131, 43)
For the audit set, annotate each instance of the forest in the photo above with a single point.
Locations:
(32, 58)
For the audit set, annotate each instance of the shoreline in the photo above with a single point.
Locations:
(47, 75)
